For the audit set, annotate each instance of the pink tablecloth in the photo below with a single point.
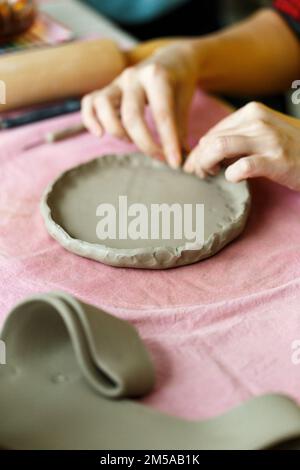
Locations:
(219, 331)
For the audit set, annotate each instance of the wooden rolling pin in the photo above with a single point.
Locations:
(69, 70)
(64, 71)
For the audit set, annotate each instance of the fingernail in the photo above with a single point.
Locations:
(213, 171)
(188, 168)
(158, 153)
(233, 173)
(188, 164)
(174, 164)
(97, 132)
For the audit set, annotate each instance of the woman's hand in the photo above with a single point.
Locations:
(256, 56)
(166, 82)
(263, 142)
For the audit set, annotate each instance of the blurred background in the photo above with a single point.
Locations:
(147, 19)
(140, 19)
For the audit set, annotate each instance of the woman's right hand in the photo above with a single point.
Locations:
(166, 81)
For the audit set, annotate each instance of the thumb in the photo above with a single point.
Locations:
(248, 167)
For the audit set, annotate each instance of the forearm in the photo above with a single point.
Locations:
(257, 56)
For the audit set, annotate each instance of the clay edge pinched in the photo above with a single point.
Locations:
(147, 258)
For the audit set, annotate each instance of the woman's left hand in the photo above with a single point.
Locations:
(262, 142)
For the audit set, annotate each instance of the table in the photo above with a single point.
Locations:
(84, 20)
(220, 331)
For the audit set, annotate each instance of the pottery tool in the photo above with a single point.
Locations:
(56, 136)
(54, 110)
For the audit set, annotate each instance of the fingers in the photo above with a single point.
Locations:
(119, 110)
(249, 167)
(161, 99)
(100, 112)
(192, 165)
(184, 96)
(106, 105)
(132, 112)
(212, 149)
(88, 116)
(252, 112)
(254, 136)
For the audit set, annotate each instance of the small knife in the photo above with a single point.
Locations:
(56, 136)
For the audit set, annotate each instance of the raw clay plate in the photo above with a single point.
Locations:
(69, 210)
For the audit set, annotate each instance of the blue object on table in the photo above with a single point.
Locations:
(54, 110)
(135, 11)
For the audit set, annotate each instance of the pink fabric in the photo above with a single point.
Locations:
(219, 331)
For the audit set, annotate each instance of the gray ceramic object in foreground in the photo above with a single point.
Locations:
(70, 371)
(69, 210)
